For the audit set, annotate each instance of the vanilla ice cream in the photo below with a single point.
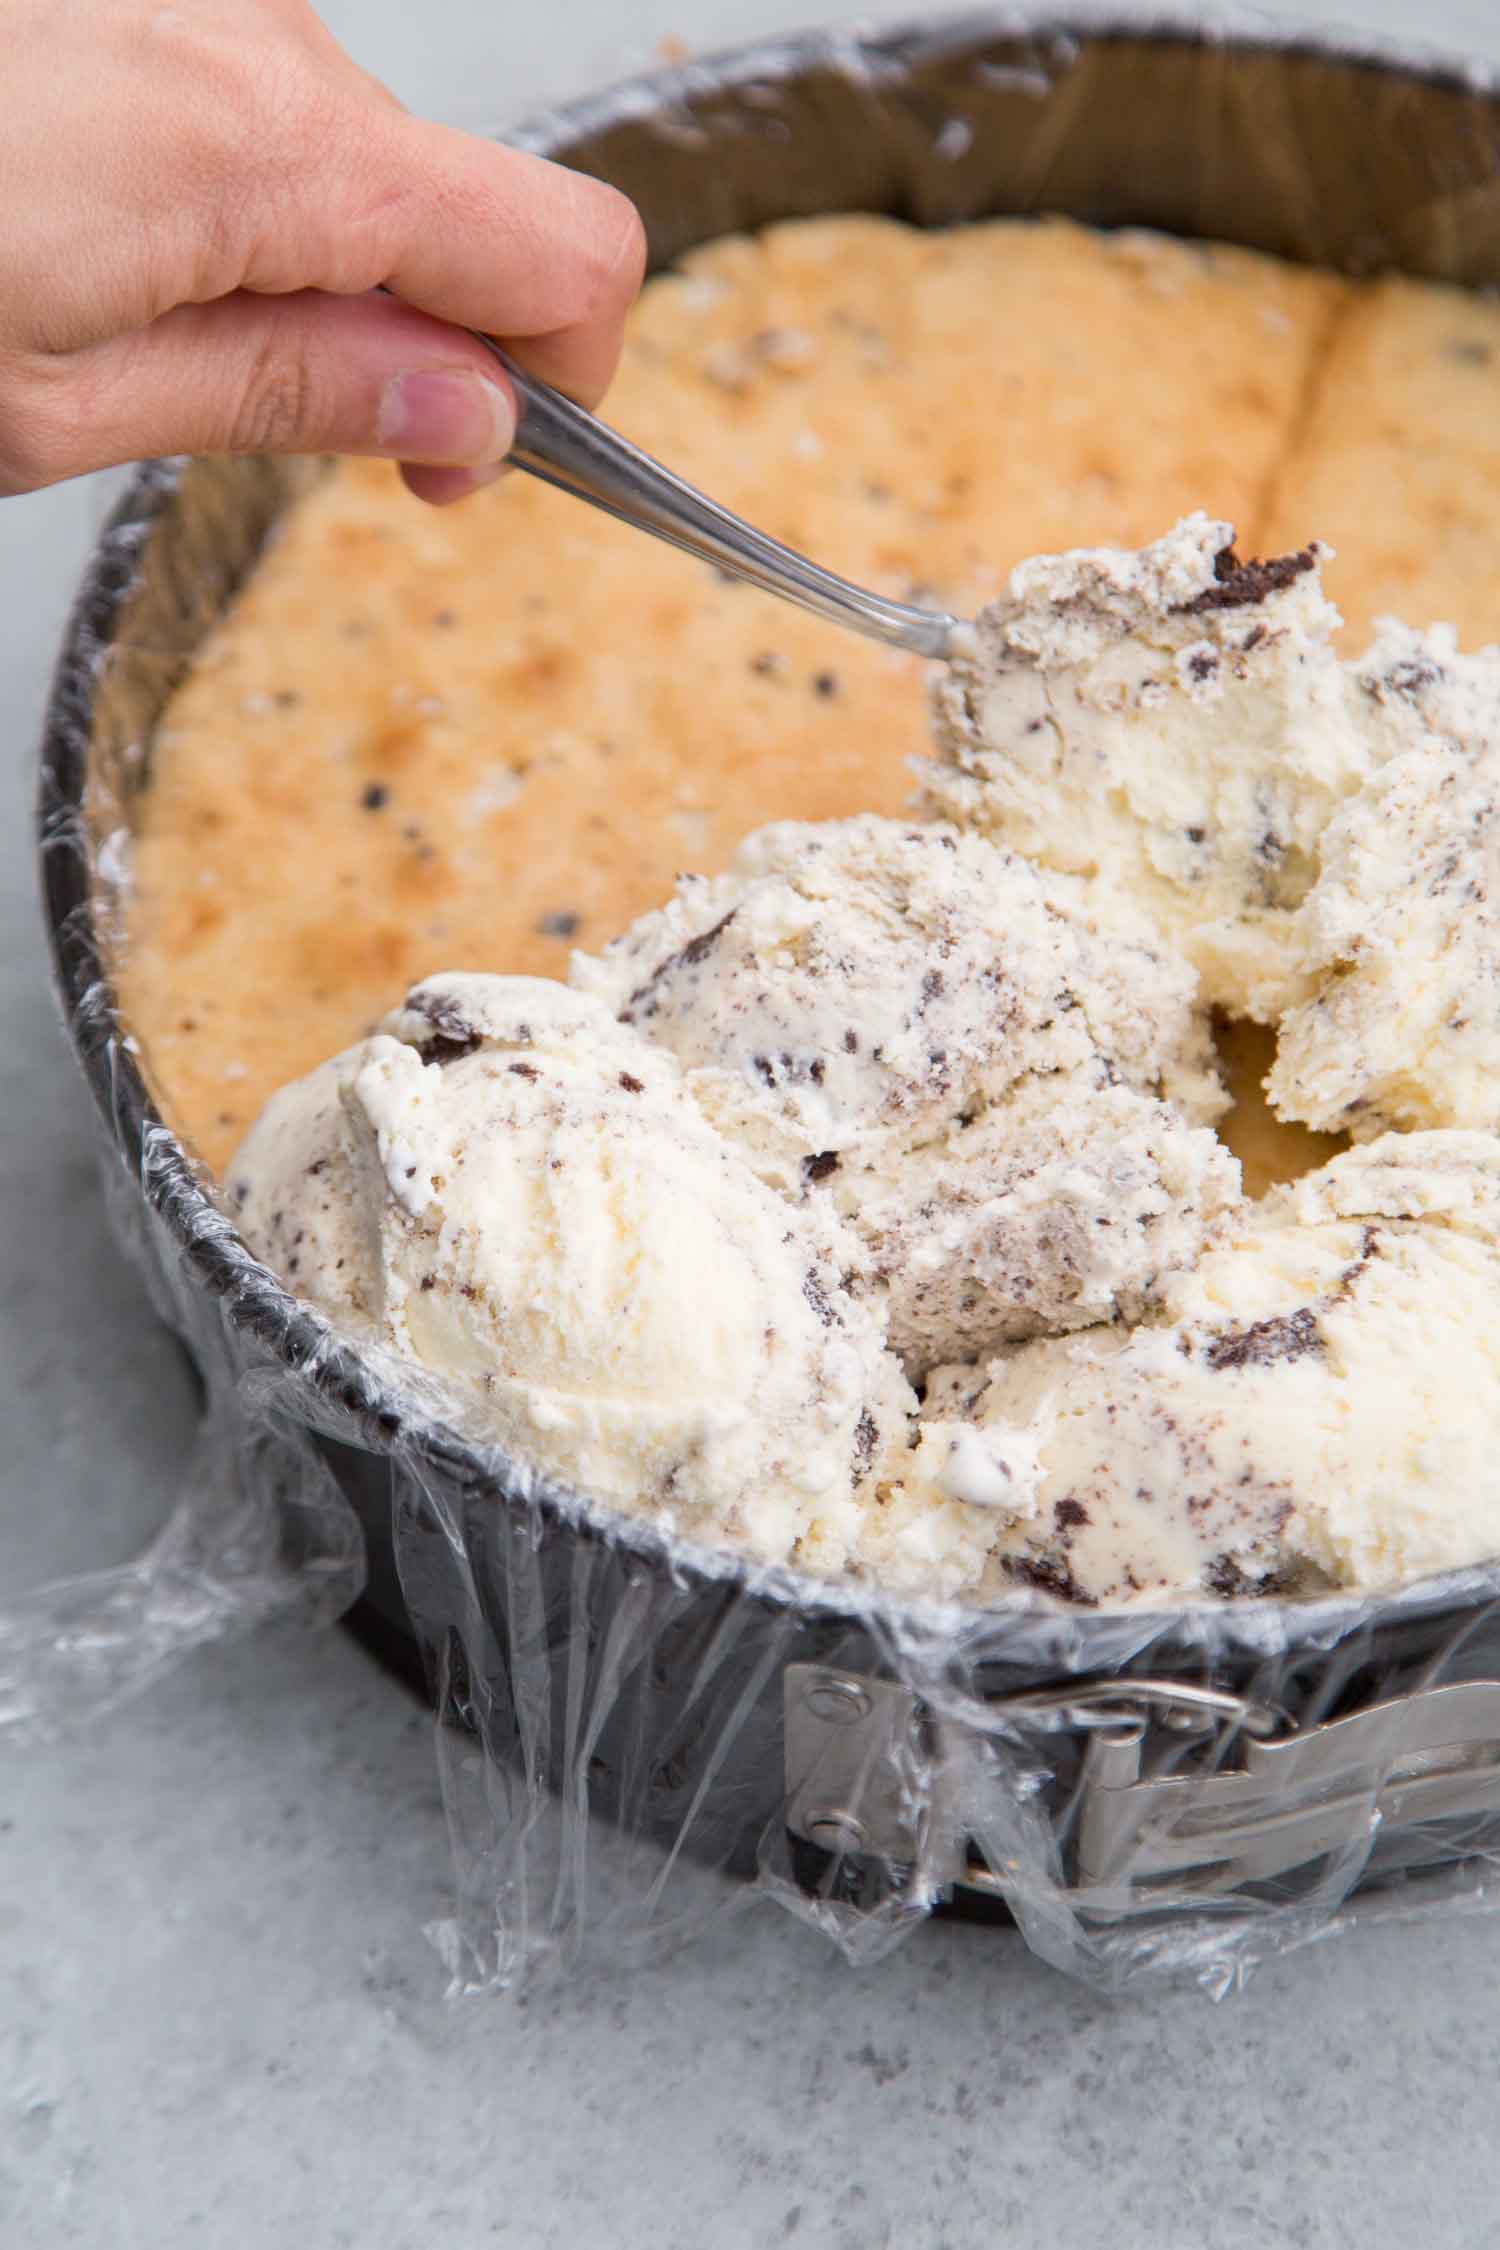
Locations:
(1316, 1404)
(512, 1190)
(1001, 1096)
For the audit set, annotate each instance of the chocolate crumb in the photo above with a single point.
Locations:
(765, 662)
(1239, 584)
(866, 1431)
(1411, 676)
(1194, 835)
(1230, 1579)
(1203, 664)
(1286, 1336)
(453, 1036)
(524, 1070)
(695, 951)
(851, 1042)
(1051, 1575)
(562, 923)
(631, 1085)
(1349, 1278)
(429, 1281)
(826, 685)
(817, 1297)
(1069, 1512)
(442, 1050)
(318, 1165)
(821, 1167)
(374, 796)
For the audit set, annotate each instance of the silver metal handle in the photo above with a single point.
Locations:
(869, 1773)
(566, 447)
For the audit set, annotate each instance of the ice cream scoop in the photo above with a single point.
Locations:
(1173, 724)
(1315, 1404)
(1003, 1096)
(514, 1191)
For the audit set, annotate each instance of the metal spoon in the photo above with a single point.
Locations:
(560, 443)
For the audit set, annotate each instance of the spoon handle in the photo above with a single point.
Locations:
(564, 446)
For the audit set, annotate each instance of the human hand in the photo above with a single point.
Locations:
(200, 201)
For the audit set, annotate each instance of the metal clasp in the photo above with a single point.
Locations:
(1430, 1755)
(1183, 1792)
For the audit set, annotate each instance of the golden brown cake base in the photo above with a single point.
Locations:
(469, 740)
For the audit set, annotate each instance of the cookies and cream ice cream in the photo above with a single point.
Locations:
(931, 1103)
(1002, 1097)
(511, 1189)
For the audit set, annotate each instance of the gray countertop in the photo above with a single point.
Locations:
(219, 2019)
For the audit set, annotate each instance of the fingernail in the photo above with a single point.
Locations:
(449, 416)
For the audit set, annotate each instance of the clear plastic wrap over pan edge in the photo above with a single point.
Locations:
(593, 1669)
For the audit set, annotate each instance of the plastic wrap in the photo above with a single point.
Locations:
(1143, 1793)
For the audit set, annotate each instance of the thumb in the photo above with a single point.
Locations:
(303, 373)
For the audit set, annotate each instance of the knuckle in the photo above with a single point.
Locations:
(370, 218)
(273, 412)
(235, 156)
(40, 442)
(330, 225)
(17, 474)
(271, 142)
(22, 468)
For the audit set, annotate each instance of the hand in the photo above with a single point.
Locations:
(199, 201)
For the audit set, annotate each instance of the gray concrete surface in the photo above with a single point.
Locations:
(219, 2020)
